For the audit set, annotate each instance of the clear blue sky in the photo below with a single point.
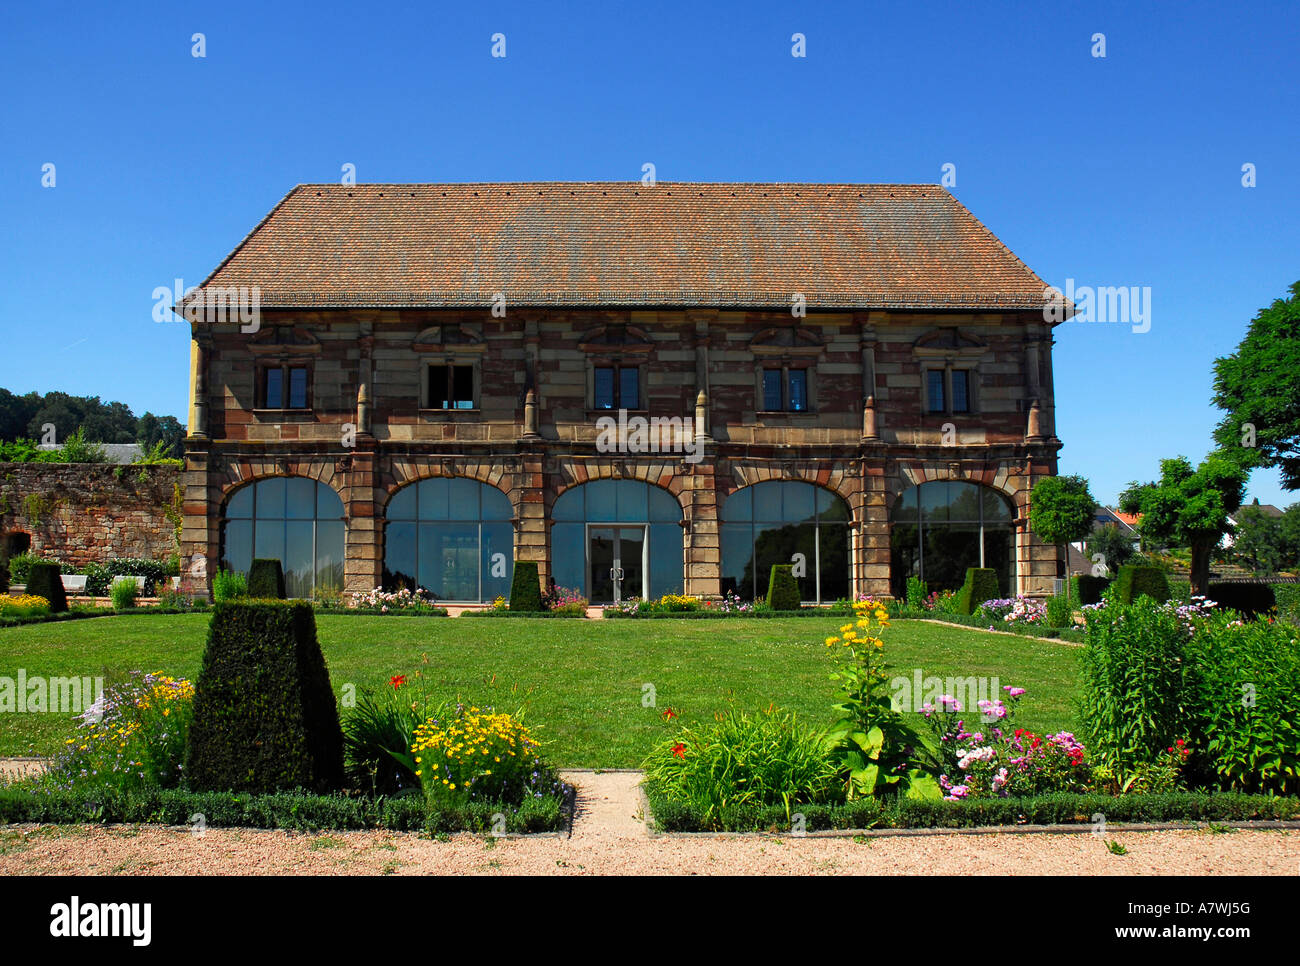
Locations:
(1117, 171)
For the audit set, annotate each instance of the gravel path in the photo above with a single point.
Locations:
(610, 838)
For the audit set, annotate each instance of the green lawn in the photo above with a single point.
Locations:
(581, 681)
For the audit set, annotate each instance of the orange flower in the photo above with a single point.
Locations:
(679, 750)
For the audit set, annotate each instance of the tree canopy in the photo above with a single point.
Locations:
(1258, 388)
(23, 418)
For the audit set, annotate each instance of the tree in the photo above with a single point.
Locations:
(1189, 507)
(1114, 545)
(1257, 540)
(1061, 511)
(1290, 527)
(1257, 387)
(152, 430)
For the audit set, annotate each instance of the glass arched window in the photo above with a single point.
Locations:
(940, 528)
(452, 537)
(617, 539)
(295, 520)
(783, 522)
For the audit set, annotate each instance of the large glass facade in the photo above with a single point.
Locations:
(940, 528)
(781, 522)
(452, 537)
(292, 519)
(617, 539)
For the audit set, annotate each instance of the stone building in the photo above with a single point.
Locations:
(645, 389)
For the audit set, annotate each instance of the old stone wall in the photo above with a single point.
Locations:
(89, 513)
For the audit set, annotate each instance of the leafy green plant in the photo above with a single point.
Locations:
(229, 585)
(916, 592)
(377, 736)
(77, 449)
(124, 593)
(1059, 611)
(1061, 510)
(742, 759)
(871, 742)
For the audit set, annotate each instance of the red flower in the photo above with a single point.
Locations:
(397, 680)
(669, 714)
(679, 750)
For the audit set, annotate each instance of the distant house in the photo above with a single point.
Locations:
(124, 453)
(1268, 509)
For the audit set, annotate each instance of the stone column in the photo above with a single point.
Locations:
(872, 553)
(363, 564)
(532, 536)
(702, 539)
(200, 519)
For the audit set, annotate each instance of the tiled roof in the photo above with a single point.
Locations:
(617, 243)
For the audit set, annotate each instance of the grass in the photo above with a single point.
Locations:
(582, 683)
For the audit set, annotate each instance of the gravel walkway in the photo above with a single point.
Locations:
(610, 838)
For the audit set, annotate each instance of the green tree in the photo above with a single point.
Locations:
(1290, 526)
(1257, 540)
(1115, 546)
(1257, 387)
(1189, 507)
(1061, 511)
(152, 430)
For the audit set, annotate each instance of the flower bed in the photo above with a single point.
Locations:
(378, 602)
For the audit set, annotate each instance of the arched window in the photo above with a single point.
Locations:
(295, 520)
(940, 528)
(452, 537)
(617, 539)
(782, 522)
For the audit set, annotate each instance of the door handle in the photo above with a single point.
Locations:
(620, 573)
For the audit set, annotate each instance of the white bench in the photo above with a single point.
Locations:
(74, 583)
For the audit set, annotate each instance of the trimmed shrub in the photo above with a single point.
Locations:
(266, 580)
(1060, 612)
(526, 588)
(981, 585)
(1087, 589)
(44, 579)
(1248, 600)
(1135, 581)
(782, 590)
(265, 719)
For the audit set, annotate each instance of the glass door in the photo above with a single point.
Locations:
(616, 557)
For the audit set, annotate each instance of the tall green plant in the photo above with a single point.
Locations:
(1061, 511)
(870, 741)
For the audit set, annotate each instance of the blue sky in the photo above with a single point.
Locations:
(1117, 171)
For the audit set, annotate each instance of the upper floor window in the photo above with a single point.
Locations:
(948, 390)
(785, 390)
(284, 387)
(616, 387)
(449, 386)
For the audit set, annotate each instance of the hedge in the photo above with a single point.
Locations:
(782, 590)
(1059, 808)
(266, 580)
(1288, 602)
(1087, 588)
(44, 580)
(1248, 599)
(1135, 581)
(526, 588)
(265, 719)
(296, 810)
(981, 585)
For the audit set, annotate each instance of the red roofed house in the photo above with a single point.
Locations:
(646, 390)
